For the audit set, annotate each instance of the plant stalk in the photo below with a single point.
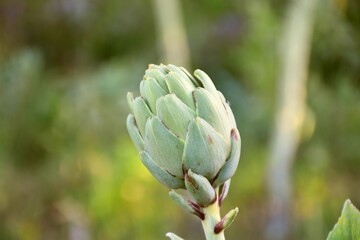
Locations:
(212, 217)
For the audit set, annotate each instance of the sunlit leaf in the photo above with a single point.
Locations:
(348, 225)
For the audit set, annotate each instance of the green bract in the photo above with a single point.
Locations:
(180, 123)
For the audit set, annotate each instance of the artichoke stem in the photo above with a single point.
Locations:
(212, 217)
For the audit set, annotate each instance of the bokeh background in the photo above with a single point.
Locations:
(68, 169)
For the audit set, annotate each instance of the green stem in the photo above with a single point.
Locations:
(212, 217)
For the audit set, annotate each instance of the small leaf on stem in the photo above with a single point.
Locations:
(348, 226)
(173, 236)
(186, 205)
(226, 221)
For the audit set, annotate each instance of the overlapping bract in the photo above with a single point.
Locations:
(179, 123)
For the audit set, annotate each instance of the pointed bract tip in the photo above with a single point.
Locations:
(198, 71)
(130, 100)
(200, 189)
(235, 134)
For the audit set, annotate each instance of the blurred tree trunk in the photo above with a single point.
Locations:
(290, 113)
(175, 49)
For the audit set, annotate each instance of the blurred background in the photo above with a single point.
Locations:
(68, 169)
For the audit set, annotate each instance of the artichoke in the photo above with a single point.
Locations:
(182, 123)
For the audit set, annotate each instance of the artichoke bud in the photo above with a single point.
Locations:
(200, 189)
(183, 122)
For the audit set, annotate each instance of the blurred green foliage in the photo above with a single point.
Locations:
(67, 167)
